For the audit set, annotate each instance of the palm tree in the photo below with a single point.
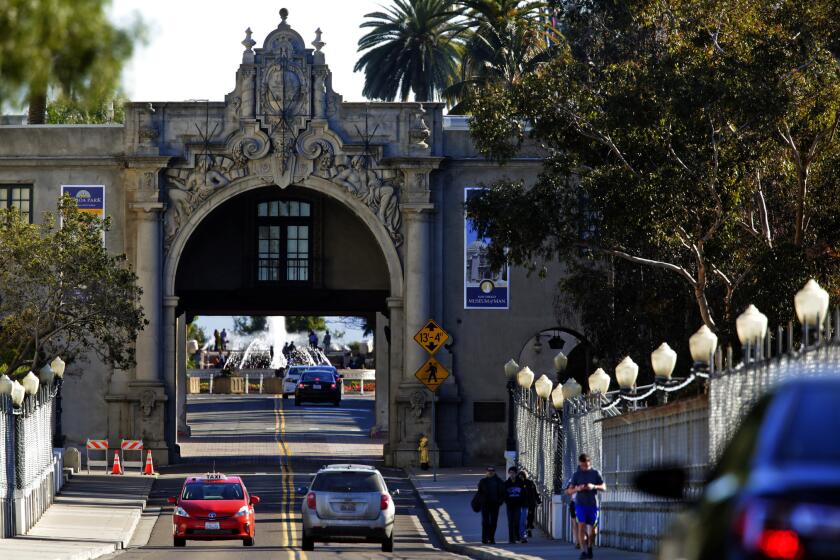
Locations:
(412, 47)
(503, 40)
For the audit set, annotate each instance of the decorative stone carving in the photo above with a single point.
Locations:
(417, 402)
(148, 133)
(419, 132)
(147, 402)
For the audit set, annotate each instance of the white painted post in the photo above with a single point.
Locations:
(247, 382)
(261, 384)
(362, 385)
(211, 382)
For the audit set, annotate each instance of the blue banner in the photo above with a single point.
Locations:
(483, 289)
(89, 198)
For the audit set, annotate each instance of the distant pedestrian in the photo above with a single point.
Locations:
(513, 505)
(586, 483)
(224, 337)
(491, 495)
(423, 450)
(327, 341)
(532, 500)
(573, 517)
(217, 340)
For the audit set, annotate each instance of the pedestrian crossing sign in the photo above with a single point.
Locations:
(431, 337)
(432, 374)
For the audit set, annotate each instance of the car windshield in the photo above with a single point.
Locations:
(347, 482)
(213, 491)
(324, 376)
(806, 438)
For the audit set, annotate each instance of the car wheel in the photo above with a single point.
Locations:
(248, 541)
(388, 544)
(297, 402)
(306, 543)
(179, 542)
(285, 396)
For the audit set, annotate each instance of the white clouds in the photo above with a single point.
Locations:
(194, 45)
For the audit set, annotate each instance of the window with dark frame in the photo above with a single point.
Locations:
(283, 241)
(17, 196)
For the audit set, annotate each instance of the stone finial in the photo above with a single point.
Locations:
(318, 43)
(284, 14)
(248, 42)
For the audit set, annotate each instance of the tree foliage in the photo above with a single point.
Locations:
(67, 47)
(690, 138)
(296, 324)
(62, 294)
(245, 325)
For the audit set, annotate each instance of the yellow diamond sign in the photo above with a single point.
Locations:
(432, 374)
(431, 337)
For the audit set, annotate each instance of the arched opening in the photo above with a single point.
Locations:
(265, 251)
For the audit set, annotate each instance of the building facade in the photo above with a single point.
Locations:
(284, 200)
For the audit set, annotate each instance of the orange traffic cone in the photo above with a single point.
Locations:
(150, 466)
(117, 469)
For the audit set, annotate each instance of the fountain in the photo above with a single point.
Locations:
(257, 353)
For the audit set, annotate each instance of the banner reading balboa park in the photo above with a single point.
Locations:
(483, 289)
(89, 198)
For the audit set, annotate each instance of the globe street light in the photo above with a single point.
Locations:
(751, 326)
(557, 397)
(811, 304)
(57, 366)
(5, 385)
(18, 393)
(511, 367)
(626, 373)
(525, 377)
(46, 375)
(599, 382)
(571, 389)
(30, 383)
(543, 387)
(560, 364)
(702, 345)
(663, 360)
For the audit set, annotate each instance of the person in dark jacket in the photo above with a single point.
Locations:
(491, 491)
(532, 500)
(513, 504)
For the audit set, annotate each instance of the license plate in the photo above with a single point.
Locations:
(316, 386)
(211, 525)
(348, 507)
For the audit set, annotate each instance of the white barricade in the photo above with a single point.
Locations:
(131, 446)
(95, 446)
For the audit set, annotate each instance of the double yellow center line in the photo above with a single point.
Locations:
(289, 536)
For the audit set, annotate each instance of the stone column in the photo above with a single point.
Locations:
(418, 281)
(148, 267)
(181, 375)
(383, 368)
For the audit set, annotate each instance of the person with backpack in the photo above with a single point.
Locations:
(488, 499)
(513, 504)
(532, 500)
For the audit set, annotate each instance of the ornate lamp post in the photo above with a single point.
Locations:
(599, 382)
(571, 389)
(663, 360)
(57, 366)
(702, 345)
(510, 374)
(543, 387)
(811, 304)
(752, 327)
(17, 393)
(560, 364)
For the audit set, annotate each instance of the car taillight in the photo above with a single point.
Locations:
(310, 500)
(782, 544)
(332, 385)
(384, 501)
(764, 529)
(301, 386)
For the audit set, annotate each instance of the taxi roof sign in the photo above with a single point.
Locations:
(432, 374)
(431, 337)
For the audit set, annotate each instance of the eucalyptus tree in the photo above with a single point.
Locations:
(689, 138)
(412, 47)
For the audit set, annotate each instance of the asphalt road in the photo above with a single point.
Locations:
(277, 447)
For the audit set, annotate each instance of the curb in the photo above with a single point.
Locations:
(472, 551)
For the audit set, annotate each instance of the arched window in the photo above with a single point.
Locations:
(283, 241)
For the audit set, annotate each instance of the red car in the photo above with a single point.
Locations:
(213, 507)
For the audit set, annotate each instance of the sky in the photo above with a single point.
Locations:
(194, 48)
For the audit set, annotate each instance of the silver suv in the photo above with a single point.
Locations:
(348, 503)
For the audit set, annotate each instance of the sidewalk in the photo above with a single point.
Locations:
(93, 515)
(448, 503)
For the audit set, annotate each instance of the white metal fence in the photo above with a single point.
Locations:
(31, 472)
(625, 435)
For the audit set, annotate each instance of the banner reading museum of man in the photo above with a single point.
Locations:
(483, 289)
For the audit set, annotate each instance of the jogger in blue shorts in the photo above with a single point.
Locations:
(586, 483)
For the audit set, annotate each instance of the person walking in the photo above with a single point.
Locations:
(532, 500)
(513, 505)
(573, 517)
(586, 483)
(327, 340)
(217, 340)
(491, 492)
(313, 339)
(224, 337)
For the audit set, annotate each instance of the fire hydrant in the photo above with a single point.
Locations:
(423, 450)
